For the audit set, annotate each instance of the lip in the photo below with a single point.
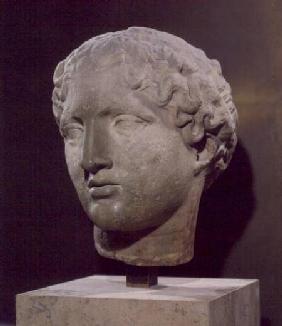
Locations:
(98, 182)
(103, 191)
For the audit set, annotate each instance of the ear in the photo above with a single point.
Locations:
(191, 125)
(210, 152)
(213, 156)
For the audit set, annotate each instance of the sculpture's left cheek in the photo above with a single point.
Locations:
(155, 160)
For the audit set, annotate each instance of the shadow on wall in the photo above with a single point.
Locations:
(265, 322)
(225, 210)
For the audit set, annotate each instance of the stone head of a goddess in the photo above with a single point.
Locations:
(148, 124)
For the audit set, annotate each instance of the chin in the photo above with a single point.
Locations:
(105, 215)
(109, 218)
(117, 224)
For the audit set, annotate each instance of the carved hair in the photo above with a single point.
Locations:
(172, 73)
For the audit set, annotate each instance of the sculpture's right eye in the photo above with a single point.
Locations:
(72, 131)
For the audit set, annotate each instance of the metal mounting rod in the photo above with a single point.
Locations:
(141, 276)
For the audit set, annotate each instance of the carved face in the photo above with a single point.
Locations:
(126, 158)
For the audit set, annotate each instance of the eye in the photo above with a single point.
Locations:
(72, 130)
(129, 120)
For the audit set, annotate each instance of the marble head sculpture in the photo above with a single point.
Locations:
(148, 123)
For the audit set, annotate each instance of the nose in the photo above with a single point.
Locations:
(96, 151)
(93, 166)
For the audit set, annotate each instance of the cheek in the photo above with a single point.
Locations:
(73, 157)
(154, 159)
(146, 147)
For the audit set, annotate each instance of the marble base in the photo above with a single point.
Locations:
(106, 301)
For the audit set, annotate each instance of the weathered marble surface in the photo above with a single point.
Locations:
(106, 301)
(148, 123)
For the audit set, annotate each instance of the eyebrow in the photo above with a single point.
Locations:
(144, 111)
(106, 111)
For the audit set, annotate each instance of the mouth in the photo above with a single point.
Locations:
(103, 191)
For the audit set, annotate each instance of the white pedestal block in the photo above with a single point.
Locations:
(106, 301)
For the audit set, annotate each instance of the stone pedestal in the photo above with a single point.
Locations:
(106, 301)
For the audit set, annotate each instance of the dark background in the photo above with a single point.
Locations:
(45, 237)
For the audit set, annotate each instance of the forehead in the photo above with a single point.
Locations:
(103, 88)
